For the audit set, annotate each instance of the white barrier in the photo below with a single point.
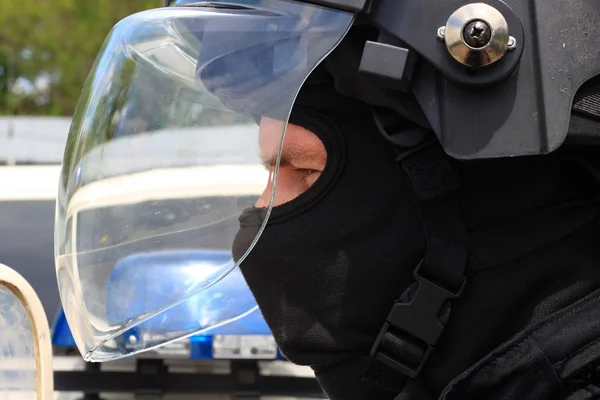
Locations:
(26, 370)
(29, 183)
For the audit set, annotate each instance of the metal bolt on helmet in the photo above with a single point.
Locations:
(476, 35)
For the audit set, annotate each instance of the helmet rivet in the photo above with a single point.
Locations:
(476, 35)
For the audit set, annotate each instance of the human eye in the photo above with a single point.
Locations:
(308, 176)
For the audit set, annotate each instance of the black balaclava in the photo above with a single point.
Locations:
(352, 239)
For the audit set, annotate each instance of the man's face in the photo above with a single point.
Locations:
(303, 159)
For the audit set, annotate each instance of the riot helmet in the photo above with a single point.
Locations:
(169, 223)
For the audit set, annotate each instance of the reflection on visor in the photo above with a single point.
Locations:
(161, 275)
(161, 160)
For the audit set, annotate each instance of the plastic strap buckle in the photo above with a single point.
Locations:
(415, 325)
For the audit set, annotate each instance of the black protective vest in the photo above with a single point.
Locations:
(540, 273)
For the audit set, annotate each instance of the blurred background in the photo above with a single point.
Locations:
(47, 48)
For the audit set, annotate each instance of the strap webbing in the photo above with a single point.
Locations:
(587, 98)
(419, 316)
(435, 185)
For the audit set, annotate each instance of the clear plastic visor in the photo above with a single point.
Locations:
(165, 151)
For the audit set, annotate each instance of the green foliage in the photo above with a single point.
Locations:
(56, 38)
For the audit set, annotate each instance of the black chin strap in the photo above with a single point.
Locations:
(418, 318)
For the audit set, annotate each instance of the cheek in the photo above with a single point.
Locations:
(311, 179)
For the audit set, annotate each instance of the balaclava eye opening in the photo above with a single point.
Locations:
(332, 140)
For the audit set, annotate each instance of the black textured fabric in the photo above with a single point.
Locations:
(502, 300)
(522, 267)
(346, 381)
(584, 125)
(590, 392)
(587, 98)
(554, 359)
(584, 130)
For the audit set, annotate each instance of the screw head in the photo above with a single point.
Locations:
(477, 34)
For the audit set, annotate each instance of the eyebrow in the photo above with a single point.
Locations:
(291, 154)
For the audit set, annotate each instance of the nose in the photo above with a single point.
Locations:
(265, 198)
